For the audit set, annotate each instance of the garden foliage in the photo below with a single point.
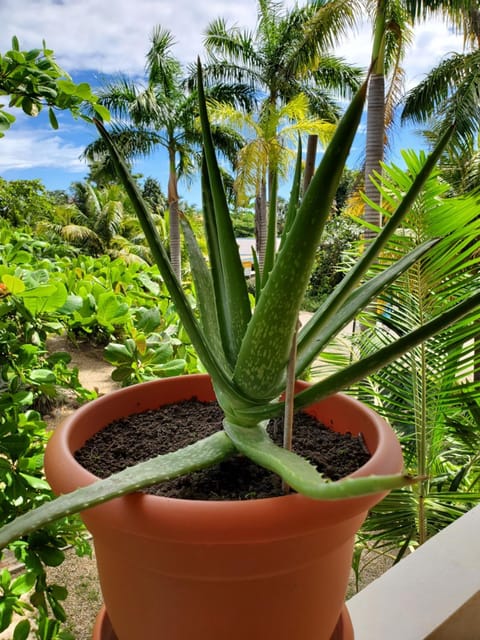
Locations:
(47, 289)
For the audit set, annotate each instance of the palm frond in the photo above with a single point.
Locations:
(132, 140)
(451, 92)
(163, 68)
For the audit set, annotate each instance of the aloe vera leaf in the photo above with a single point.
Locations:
(199, 455)
(218, 276)
(264, 352)
(341, 292)
(205, 292)
(318, 335)
(299, 474)
(368, 365)
(235, 313)
(294, 194)
(271, 247)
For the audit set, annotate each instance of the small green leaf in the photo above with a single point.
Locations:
(23, 398)
(162, 353)
(83, 91)
(42, 376)
(120, 353)
(30, 107)
(122, 373)
(148, 320)
(6, 120)
(59, 592)
(102, 111)
(51, 556)
(39, 484)
(13, 284)
(67, 86)
(172, 368)
(53, 118)
(22, 630)
(23, 584)
(44, 298)
(72, 303)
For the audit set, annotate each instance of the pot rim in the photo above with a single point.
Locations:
(285, 511)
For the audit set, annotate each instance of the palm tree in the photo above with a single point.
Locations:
(391, 35)
(270, 137)
(461, 166)
(160, 113)
(392, 32)
(452, 90)
(429, 396)
(99, 220)
(287, 55)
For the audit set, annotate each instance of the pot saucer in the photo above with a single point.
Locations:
(103, 629)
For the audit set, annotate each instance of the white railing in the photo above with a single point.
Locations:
(432, 594)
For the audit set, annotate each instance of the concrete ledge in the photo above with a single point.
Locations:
(432, 594)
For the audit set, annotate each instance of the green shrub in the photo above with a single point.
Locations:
(339, 239)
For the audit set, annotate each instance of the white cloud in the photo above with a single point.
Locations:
(115, 35)
(39, 149)
(433, 41)
(112, 36)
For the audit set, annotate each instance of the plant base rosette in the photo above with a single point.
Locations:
(210, 570)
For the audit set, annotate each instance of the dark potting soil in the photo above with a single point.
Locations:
(142, 436)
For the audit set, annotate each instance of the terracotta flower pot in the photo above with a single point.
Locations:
(179, 569)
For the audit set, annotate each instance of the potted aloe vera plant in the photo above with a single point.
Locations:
(274, 567)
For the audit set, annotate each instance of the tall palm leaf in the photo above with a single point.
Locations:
(270, 136)
(288, 52)
(429, 396)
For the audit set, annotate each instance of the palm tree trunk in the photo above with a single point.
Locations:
(261, 223)
(375, 146)
(375, 116)
(174, 234)
(310, 160)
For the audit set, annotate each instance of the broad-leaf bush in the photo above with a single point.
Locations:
(31, 380)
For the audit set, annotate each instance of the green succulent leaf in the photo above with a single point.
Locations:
(299, 474)
(210, 360)
(343, 291)
(233, 301)
(199, 455)
(384, 356)
(205, 291)
(294, 194)
(262, 360)
(315, 335)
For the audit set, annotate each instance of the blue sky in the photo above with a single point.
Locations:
(94, 38)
